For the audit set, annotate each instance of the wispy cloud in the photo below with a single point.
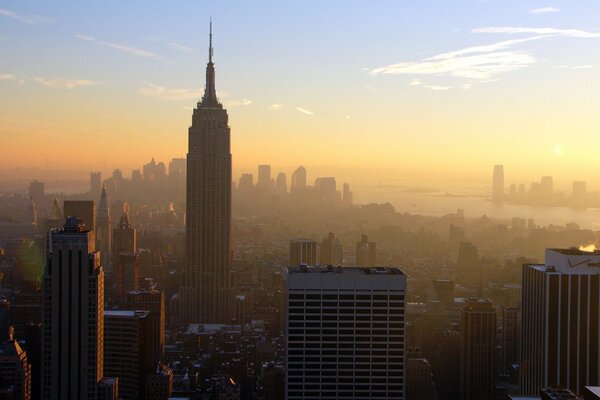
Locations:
(235, 103)
(275, 107)
(415, 82)
(161, 92)
(117, 46)
(7, 77)
(179, 47)
(61, 83)
(304, 111)
(575, 33)
(575, 67)
(477, 62)
(544, 10)
(26, 19)
(437, 87)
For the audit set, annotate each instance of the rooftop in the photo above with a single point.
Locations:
(316, 269)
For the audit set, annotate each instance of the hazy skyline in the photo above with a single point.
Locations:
(429, 90)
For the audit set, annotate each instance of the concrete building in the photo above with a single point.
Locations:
(345, 333)
(478, 350)
(127, 351)
(331, 252)
(366, 252)
(560, 322)
(303, 251)
(73, 315)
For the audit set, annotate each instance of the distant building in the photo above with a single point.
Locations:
(103, 232)
(478, 350)
(37, 191)
(126, 351)
(126, 274)
(159, 385)
(281, 184)
(95, 184)
(124, 238)
(347, 195)
(366, 252)
(153, 301)
(419, 377)
(303, 251)
(468, 257)
(15, 370)
(560, 318)
(498, 183)
(73, 310)
(299, 179)
(84, 209)
(345, 333)
(264, 178)
(331, 252)
(511, 332)
(579, 196)
(246, 183)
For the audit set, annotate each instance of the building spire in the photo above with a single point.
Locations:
(210, 48)
(210, 92)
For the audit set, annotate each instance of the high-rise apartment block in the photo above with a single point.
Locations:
(345, 333)
(73, 315)
(331, 252)
(560, 341)
(366, 252)
(303, 251)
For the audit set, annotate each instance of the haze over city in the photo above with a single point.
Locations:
(299, 200)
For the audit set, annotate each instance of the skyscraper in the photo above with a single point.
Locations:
(264, 178)
(124, 238)
(303, 251)
(153, 301)
(299, 179)
(331, 251)
(207, 296)
(345, 333)
(366, 252)
(126, 351)
(560, 320)
(498, 183)
(73, 305)
(95, 184)
(281, 184)
(477, 350)
(15, 370)
(103, 232)
(84, 209)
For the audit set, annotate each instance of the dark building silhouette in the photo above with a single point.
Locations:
(299, 179)
(207, 296)
(103, 232)
(511, 331)
(419, 377)
(95, 184)
(303, 251)
(159, 385)
(478, 350)
(15, 371)
(366, 252)
(124, 238)
(153, 301)
(37, 191)
(331, 252)
(73, 310)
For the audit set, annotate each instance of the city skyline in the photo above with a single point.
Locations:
(512, 71)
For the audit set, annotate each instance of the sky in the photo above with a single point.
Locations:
(389, 89)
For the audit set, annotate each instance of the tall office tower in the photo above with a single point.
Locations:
(208, 295)
(73, 290)
(331, 251)
(468, 257)
(419, 377)
(15, 371)
(366, 252)
(303, 251)
(126, 351)
(299, 179)
(95, 184)
(345, 333)
(126, 274)
(281, 184)
(177, 173)
(159, 385)
(124, 237)
(511, 330)
(347, 195)
(326, 185)
(560, 321)
(246, 183)
(37, 191)
(498, 183)
(477, 350)
(153, 301)
(103, 232)
(264, 178)
(579, 196)
(84, 209)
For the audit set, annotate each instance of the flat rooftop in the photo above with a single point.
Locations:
(316, 269)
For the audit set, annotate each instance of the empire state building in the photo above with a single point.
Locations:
(207, 295)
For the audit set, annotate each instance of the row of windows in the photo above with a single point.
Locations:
(346, 332)
(342, 360)
(344, 395)
(346, 311)
(393, 371)
(300, 303)
(310, 296)
(349, 345)
(346, 324)
(352, 317)
(346, 352)
(346, 387)
(361, 379)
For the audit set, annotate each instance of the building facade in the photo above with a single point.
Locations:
(345, 333)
